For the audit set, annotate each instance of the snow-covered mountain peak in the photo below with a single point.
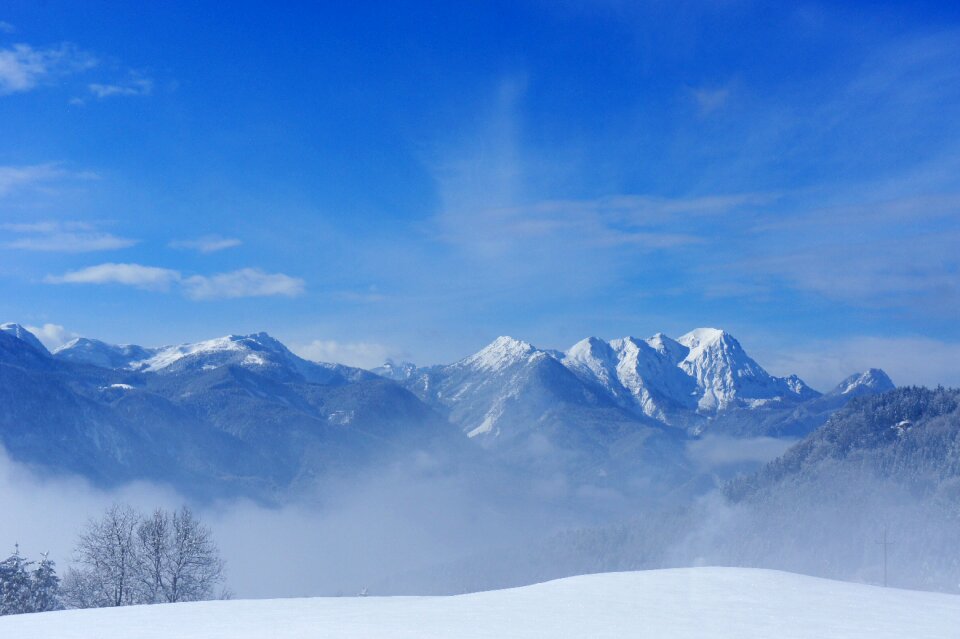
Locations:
(668, 347)
(871, 381)
(23, 335)
(703, 337)
(263, 340)
(595, 358)
(397, 371)
(257, 346)
(501, 353)
(589, 348)
(84, 343)
(713, 348)
(170, 355)
(729, 377)
(93, 351)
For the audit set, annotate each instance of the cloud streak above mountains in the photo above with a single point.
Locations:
(18, 177)
(23, 67)
(63, 237)
(245, 282)
(206, 244)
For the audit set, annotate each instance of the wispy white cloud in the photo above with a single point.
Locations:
(71, 242)
(75, 237)
(23, 67)
(6, 27)
(53, 336)
(136, 275)
(497, 214)
(136, 86)
(638, 221)
(710, 100)
(360, 354)
(370, 295)
(246, 282)
(13, 178)
(875, 253)
(206, 244)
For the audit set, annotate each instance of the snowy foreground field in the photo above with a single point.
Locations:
(719, 603)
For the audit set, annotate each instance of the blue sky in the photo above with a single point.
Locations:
(413, 179)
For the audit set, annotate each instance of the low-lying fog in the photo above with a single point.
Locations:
(395, 531)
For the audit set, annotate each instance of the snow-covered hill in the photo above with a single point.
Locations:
(720, 603)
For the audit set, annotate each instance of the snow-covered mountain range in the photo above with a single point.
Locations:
(244, 411)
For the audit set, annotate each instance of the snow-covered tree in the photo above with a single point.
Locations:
(45, 586)
(15, 593)
(23, 590)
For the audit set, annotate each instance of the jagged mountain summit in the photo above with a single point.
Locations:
(705, 371)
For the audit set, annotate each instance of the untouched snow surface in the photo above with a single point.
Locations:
(720, 603)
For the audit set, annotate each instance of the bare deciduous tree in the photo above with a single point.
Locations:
(153, 540)
(127, 558)
(108, 563)
(178, 558)
(193, 566)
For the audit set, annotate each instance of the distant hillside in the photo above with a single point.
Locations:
(910, 436)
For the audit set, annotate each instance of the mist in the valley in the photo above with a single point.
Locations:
(856, 527)
(399, 529)
(345, 536)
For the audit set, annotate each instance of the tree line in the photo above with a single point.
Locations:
(124, 558)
